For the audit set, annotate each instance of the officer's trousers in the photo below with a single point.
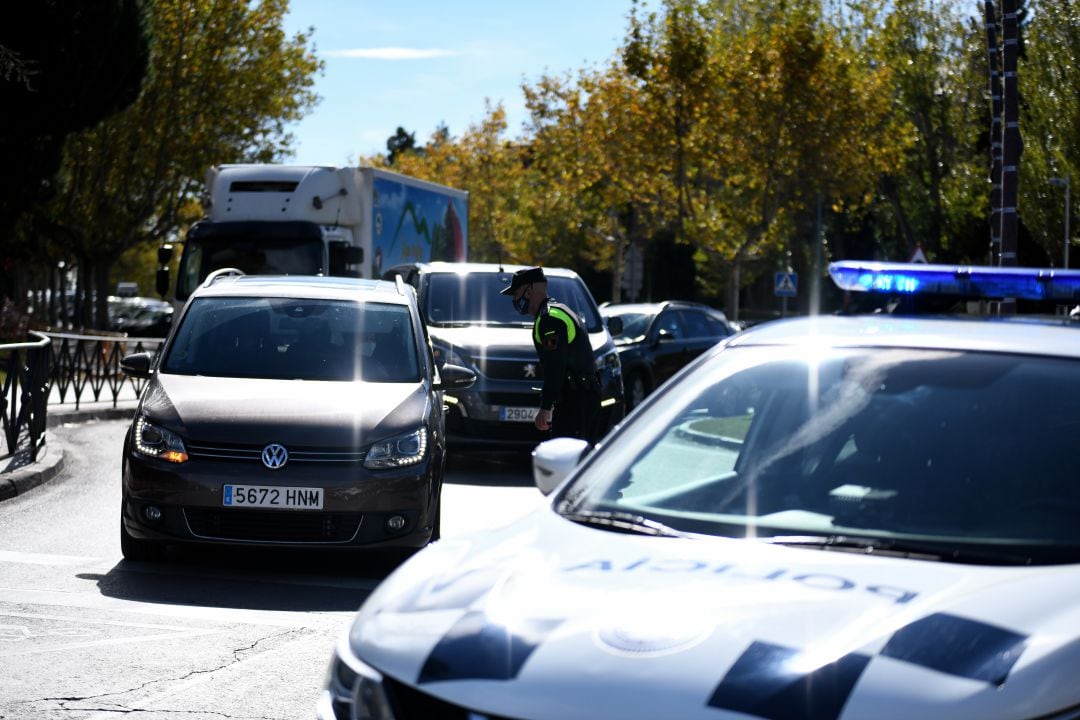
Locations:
(577, 414)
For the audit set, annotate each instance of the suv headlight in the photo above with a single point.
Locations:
(402, 450)
(352, 688)
(609, 361)
(155, 441)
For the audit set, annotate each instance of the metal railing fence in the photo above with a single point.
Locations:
(59, 369)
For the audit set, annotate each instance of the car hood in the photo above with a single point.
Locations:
(545, 619)
(311, 413)
(506, 341)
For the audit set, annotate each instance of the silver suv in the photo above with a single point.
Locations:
(472, 325)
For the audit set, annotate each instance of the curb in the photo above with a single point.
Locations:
(49, 463)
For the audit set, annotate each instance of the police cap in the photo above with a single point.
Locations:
(524, 277)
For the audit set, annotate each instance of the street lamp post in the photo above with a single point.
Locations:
(1065, 183)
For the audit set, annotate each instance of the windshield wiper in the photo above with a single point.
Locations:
(621, 522)
(919, 550)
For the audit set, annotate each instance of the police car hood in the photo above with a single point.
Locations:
(548, 619)
(299, 412)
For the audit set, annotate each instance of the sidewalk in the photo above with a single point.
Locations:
(18, 474)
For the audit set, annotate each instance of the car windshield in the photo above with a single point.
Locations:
(960, 450)
(295, 339)
(474, 298)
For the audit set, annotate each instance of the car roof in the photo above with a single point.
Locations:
(655, 307)
(303, 286)
(1018, 334)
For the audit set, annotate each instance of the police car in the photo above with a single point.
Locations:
(843, 517)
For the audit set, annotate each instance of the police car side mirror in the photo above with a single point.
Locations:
(553, 461)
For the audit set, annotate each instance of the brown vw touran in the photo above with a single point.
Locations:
(288, 411)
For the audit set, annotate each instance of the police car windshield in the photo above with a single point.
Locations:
(295, 339)
(961, 450)
(474, 298)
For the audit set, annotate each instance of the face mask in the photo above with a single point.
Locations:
(521, 304)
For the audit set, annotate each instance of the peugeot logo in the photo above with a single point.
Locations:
(274, 456)
(530, 371)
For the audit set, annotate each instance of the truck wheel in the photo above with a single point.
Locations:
(136, 549)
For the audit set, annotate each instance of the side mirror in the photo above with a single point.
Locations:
(454, 377)
(614, 325)
(664, 336)
(161, 281)
(137, 364)
(553, 461)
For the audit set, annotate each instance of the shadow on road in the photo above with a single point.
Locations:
(506, 468)
(251, 579)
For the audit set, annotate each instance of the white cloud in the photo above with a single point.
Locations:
(392, 53)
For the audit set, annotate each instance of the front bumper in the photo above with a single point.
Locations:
(357, 504)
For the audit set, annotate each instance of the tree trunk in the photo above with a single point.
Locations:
(733, 289)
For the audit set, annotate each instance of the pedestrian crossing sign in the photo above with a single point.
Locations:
(786, 285)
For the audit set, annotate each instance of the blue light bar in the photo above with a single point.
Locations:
(966, 281)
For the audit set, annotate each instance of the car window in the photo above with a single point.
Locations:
(669, 321)
(474, 298)
(696, 324)
(948, 446)
(288, 338)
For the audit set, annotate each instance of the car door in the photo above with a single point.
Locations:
(667, 342)
(700, 332)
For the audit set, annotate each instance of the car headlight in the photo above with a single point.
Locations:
(155, 441)
(402, 450)
(352, 688)
(609, 361)
(449, 354)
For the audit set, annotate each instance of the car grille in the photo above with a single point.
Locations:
(510, 368)
(415, 705)
(512, 399)
(272, 526)
(219, 452)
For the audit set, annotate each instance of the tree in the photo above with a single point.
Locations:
(399, 143)
(224, 82)
(64, 65)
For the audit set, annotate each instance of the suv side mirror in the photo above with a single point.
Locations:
(615, 326)
(454, 377)
(137, 365)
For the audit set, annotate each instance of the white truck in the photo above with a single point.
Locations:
(307, 220)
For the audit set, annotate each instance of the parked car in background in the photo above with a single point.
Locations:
(658, 339)
(140, 316)
(473, 326)
(288, 411)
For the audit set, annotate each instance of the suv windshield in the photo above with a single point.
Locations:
(962, 452)
(291, 338)
(473, 298)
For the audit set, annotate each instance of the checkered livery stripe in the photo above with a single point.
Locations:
(768, 680)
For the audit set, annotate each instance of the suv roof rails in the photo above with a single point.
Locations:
(399, 283)
(220, 273)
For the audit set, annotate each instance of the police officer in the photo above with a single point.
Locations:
(570, 399)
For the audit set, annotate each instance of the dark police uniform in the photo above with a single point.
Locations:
(571, 383)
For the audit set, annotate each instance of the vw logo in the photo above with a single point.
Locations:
(530, 371)
(274, 456)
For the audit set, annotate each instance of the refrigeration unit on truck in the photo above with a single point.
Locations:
(308, 220)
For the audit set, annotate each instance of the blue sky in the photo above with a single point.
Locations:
(418, 63)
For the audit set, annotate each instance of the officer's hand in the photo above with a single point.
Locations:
(543, 420)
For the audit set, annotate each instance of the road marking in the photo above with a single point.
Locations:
(173, 632)
(30, 558)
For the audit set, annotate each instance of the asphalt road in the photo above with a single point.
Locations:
(209, 634)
